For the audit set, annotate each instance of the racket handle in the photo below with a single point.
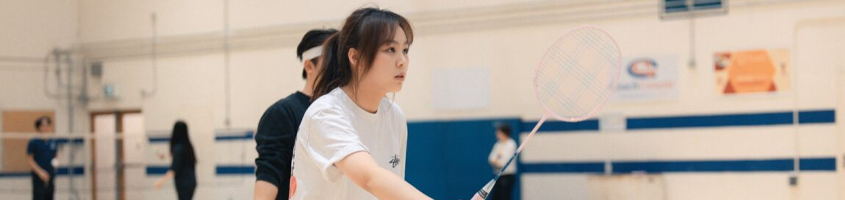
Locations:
(485, 191)
(477, 197)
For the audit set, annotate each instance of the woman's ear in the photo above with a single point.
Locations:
(353, 56)
(310, 67)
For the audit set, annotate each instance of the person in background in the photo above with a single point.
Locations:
(502, 151)
(41, 157)
(278, 126)
(184, 164)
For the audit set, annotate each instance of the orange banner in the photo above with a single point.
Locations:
(752, 71)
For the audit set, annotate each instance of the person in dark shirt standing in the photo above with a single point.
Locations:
(41, 155)
(184, 164)
(280, 122)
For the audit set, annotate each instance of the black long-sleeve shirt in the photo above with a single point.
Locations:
(275, 139)
(183, 169)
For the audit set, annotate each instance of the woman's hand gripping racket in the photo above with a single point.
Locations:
(574, 79)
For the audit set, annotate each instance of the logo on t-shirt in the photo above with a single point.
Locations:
(395, 160)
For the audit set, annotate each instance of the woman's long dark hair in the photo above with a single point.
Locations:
(180, 137)
(365, 30)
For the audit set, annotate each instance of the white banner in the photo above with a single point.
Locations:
(648, 78)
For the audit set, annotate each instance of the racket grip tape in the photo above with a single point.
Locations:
(478, 196)
(485, 191)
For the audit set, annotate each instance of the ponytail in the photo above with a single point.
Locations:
(335, 70)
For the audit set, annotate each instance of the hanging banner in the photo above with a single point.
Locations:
(648, 78)
(752, 71)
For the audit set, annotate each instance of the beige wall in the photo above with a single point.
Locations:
(504, 37)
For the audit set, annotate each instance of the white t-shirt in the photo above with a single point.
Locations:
(502, 152)
(334, 127)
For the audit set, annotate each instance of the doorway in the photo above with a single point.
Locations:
(118, 155)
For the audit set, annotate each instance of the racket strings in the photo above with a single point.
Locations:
(563, 102)
(568, 63)
(587, 82)
(604, 60)
(593, 37)
(571, 64)
(558, 102)
(577, 74)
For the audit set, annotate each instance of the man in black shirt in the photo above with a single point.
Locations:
(41, 155)
(278, 126)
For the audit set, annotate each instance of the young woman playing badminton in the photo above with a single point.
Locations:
(352, 140)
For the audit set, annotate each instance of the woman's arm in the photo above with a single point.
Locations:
(362, 169)
(167, 176)
(177, 163)
(265, 190)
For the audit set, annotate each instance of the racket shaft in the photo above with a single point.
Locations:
(484, 192)
(524, 142)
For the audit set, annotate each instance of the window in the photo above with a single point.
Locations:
(672, 9)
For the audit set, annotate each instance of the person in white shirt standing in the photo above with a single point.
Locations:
(502, 151)
(352, 140)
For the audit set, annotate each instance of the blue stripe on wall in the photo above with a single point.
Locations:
(819, 116)
(234, 170)
(163, 139)
(62, 171)
(693, 121)
(710, 121)
(157, 170)
(748, 119)
(14, 174)
(77, 141)
(811, 164)
(704, 166)
(66, 170)
(554, 125)
(817, 164)
(586, 167)
(248, 136)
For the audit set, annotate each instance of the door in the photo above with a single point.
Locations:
(118, 155)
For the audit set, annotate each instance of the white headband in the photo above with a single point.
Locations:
(312, 53)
